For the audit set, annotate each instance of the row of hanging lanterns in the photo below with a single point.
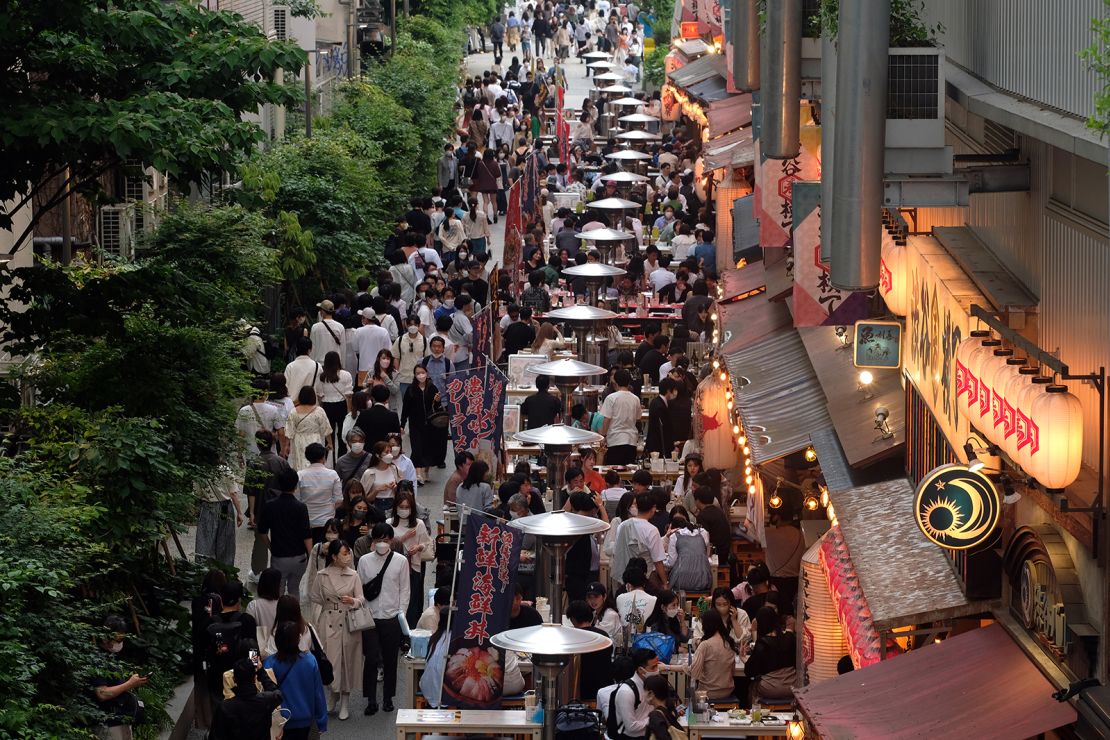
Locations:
(1038, 423)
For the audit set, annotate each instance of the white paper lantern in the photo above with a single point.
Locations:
(1001, 378)
(1059, 417)
(894, 280)
(967, 387)
(980, 407)
(1012, 395)
(1028, 433)
(990, 366)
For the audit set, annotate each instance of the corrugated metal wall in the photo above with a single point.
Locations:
(1027, 47)
(1075, 311)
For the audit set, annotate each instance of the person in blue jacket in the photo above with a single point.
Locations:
(298, 677)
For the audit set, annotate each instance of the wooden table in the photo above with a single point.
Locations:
(699, 729)
(412, 722)
(676, 672)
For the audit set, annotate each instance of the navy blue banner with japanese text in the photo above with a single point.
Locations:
(474, 675)
(476, 403)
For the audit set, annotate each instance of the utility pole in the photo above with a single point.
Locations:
(308, 97)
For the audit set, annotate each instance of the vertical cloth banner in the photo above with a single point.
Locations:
(474, 674)
(562, 128)
(476, 403)
(514, 239)
(483, 334)
(778, 178)
(530, 185)
(816, 301)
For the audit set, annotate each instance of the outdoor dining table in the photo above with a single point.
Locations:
(514, 722)
(774, 726)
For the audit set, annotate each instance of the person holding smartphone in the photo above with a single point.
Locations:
(248, 714)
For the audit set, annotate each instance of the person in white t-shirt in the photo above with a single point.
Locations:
(302, 371)
(635, 605)
(256, 415)
(661, 276)
(622, 412)
(370, 339)
(327, 334)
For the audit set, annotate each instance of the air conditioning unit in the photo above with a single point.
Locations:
(149, 193)
(281, 23)
(915, 112)
(115, 230)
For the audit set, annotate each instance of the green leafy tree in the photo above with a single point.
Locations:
(90, 85)
(1097, 57)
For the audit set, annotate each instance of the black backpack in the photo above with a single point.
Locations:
(224, 632)
(578, 722)
(612, 726)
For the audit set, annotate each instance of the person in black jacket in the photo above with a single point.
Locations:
(595, 670)
(712, 518)
(378, 421)
(247, 716)
(582, 561)
(660, 426)
(654, 358)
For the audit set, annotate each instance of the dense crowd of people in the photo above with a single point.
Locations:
(337, 446)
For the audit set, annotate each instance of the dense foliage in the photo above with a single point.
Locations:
(93, 85)
(135, 367)
(1097, 57)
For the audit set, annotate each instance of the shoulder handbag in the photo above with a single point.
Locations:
(327, 673)
(359, 619)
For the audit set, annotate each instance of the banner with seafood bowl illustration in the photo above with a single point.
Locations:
(474, 675)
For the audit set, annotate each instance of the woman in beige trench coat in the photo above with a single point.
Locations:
(338, 589)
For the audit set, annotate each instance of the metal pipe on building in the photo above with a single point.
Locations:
(744, 34)
(781, 88)
(860, 140)
(828, 127)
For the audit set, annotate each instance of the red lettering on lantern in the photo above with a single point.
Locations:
(1021, 421)
(1034, 437)
(1008, 420)
(996, 408)
(984, 399)
(886, 278)
(961, 379)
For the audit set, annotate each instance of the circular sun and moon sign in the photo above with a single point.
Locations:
(957, 508)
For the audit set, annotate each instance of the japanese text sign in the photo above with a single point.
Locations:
(878, 344)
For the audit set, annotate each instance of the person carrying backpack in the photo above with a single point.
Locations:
(224, 631)
(628, 711)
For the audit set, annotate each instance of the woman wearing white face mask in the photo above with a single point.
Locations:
(669, 618)
(405, 467)
(380, 479)
(336, 590)
(411, 532)
(429, 443)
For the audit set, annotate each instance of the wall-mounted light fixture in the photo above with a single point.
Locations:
(882, 421)
(866, 378)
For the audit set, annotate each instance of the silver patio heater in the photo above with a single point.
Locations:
(592, 347)
(551, 647)
(558, 441)
(595, 274)
(640, 121)
(614, 208)
(605, 239)
(568, 374)
(625, 181)
(630, 159)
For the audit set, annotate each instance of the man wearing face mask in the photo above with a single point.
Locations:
(354, 463)
(628, 704)
(116, 697)
(437, 363)
(385, 581)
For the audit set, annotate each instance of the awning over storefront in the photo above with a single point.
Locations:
(729, 114)
(975, 685)
(698, 71)
(740, 283)
(691, 49)
(852, 412)
(748, 321)
(905, 579)
(777, 393)
(710, 91)
(735, 149)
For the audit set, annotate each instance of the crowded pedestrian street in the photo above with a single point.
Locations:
(614, 370)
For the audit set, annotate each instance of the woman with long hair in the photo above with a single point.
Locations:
(605, 616)
(771, 664)
(307, 424)
(669, 618)
(474, 491)
(547, 338)
(360, 517)
(476, 227)
(334, 388)
(487, 173)
(715, 659)
(384, 373)
(684, 486)
(298, 674)
(429, 443)
(337, 589)
(664, 714)
(381, 478)
(410, 531)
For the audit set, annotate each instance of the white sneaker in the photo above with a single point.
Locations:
(331, 701)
